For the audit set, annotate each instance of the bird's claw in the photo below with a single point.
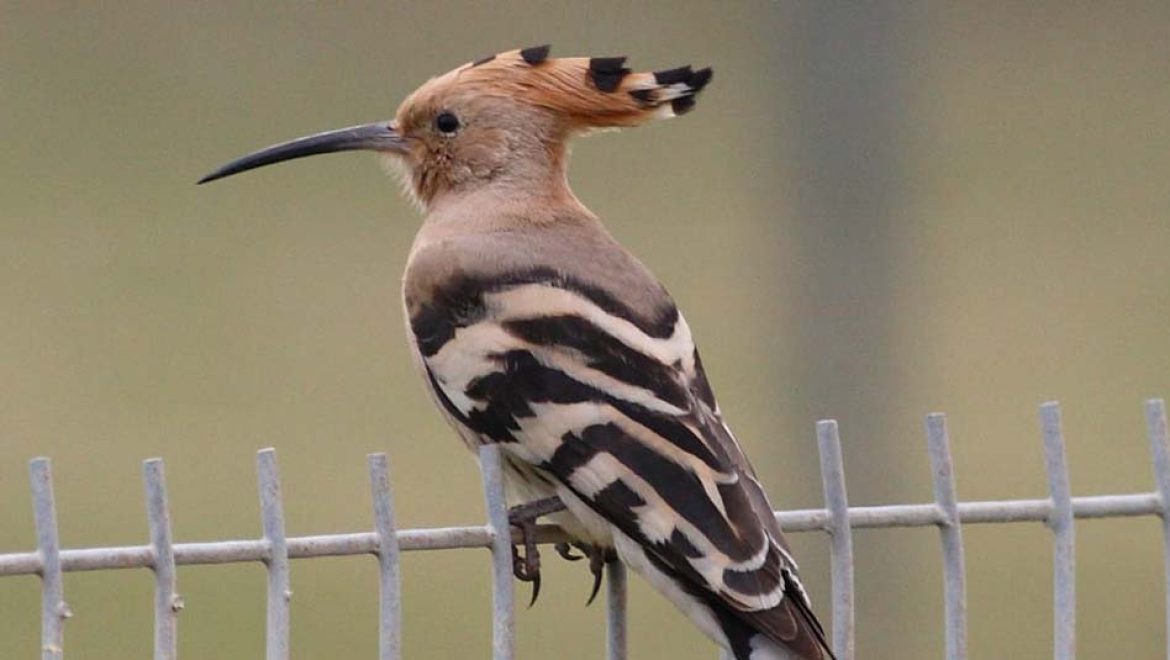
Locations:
(526, 567)
(597, 560)
(565, 550)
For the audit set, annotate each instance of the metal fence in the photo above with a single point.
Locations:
(386, 542)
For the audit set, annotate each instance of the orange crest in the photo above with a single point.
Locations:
(590, 92)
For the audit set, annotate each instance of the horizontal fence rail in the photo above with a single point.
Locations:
(274, 549)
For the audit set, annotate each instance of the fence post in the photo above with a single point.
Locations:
(1159, 438)
(54, 610)
(840, 535)
(389, 580)
(615, 610)
(1064, 541)
(167, 602)
(950, 532)
(276, 557)
(503, 591)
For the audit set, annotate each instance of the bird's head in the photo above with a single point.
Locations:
(502, 120)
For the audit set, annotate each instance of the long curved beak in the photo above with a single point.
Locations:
(379, 136)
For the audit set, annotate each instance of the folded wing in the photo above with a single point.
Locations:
(612, 403)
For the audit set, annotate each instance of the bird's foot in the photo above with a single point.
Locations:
(526, 566)
(535, 509)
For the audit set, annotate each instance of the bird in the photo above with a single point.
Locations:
(535, 330)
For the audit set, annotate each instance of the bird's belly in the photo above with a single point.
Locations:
(581, 522)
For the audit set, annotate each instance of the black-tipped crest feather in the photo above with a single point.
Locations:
(535, 54)
(607, 72)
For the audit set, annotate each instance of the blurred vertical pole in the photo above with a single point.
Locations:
(846, 73)
(847, 97)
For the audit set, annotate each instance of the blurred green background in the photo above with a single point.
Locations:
(875, 212)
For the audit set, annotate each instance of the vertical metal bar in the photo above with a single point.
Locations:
(54, 610)
(167, 602)
(279, 593)
(503, 591)
(841, 537)
(950, 531)
(389, 585)
(1061, 522)
(1159, 437)
(615, 610)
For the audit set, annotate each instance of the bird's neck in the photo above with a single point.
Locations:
(507, 204)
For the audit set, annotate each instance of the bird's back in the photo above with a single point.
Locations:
(494, 243)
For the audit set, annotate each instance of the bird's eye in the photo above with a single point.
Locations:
(447, 123)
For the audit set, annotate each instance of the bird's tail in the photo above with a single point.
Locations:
(766, 649)
(746, 643)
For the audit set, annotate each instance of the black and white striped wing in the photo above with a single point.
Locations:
(612, 405)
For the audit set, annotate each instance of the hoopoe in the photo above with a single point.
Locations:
(534, 329)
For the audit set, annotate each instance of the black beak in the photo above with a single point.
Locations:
(379, 136)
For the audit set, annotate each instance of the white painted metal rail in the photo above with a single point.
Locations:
(275, 549)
